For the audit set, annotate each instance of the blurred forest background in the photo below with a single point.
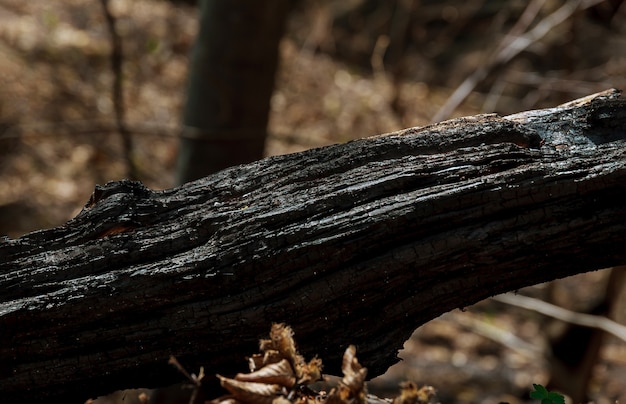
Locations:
(347, 69)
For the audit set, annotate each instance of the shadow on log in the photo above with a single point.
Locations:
(358, 243)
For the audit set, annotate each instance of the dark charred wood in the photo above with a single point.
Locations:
(358, 243)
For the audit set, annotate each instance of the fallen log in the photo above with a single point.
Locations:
(357, 243)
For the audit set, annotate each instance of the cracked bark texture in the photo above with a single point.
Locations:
(357, 243)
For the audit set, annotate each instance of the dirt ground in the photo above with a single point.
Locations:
(345, 73)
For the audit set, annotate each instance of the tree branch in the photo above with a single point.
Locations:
(358, 243)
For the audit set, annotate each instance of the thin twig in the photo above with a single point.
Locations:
(195, 380)
(497, 334)
(46, 129)
(377, 58)
(522, 24)
(548, 309)
(117, 91)
(508, 51)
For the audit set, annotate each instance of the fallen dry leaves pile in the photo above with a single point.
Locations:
(280, 375)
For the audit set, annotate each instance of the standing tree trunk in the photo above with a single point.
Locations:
(231, 80)
(358, 243)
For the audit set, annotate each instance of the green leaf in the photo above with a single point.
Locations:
(540, 392)
(546, 397)
(556, 398)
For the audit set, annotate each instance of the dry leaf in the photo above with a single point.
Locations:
(281, 400)
(255, 362)
(281, 340)
(279, 373)
(224, 400)
(251, 392)
(351, 388)
(354, 373)
(310, 372)
(410, 394)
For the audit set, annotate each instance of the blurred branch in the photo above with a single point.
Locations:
(548, 309)
(496, 334)
(86, 127)
(105, 126)
(117, 91)
(509, 48)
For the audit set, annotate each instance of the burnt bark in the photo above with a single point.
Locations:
(358, 243)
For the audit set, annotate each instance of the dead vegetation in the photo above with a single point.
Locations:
(279, 375)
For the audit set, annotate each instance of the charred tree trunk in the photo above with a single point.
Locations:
(358, 243)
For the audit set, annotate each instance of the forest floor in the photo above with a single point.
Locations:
(58, 138)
